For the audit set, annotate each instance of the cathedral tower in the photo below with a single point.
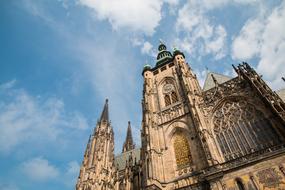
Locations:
(97, 170)
(173, 140)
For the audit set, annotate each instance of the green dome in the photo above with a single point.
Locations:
(146, 67)
(161, 47)
(176, 51)
(163, 55)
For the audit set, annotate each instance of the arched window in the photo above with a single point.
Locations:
(182, 150)
(241, 129)
(240, 185)
(167, 100)
(169, 92)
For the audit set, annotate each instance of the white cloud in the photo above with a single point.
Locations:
(24, 118)
(147, 49)
(138, 15)
(248, 43)
(264, 37)
(217, 45)
(201, 37)
(39, 169)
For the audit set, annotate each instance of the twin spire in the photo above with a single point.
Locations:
(128, 144)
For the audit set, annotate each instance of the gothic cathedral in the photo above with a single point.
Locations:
(230, 135)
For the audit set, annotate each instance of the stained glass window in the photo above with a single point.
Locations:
(182, 150)
(242, 129)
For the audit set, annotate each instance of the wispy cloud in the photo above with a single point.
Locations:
(136, 15)
(39, 169)
(109, 65)
(201, 37)
(263, 37)
(147, 48)
(24, 118)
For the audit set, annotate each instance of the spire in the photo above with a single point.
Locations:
(88, 147)
(129, 145)
(105, 112)
(99, 156)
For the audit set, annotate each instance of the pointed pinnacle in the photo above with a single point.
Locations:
(105, 112)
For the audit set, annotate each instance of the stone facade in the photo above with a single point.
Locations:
(228, 136)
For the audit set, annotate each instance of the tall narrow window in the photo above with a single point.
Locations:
(174, 97)
(241, 129)
(182, 150)
(169, 91)
(167, 100)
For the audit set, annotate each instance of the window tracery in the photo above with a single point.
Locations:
(169, 93)
(181, 150)
(241, 129)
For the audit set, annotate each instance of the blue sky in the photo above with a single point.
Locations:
(60, 59)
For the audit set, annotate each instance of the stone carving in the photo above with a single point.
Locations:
(269, 177)
(171, 113)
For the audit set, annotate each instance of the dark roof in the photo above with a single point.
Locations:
(120, 160)
(209, 83)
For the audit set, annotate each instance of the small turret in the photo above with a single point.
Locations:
(176, 51)
(146, 67)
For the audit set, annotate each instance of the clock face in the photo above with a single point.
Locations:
(168, 88)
